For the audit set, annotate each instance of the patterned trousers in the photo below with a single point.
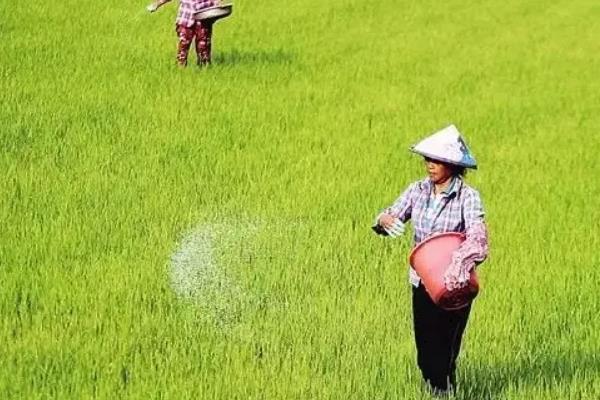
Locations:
(202, 33)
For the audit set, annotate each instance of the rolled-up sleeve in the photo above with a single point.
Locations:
(474, 250)
(402, 207)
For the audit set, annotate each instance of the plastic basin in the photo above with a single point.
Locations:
(214, 13)
(431, 259)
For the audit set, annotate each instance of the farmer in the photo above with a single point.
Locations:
(442, 202)
(188, 29)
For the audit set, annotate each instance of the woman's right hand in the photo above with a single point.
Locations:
(392, 225)
(386, 220)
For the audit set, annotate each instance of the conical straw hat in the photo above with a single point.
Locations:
(446, 145)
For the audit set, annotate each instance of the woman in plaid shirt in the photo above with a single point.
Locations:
(188, 29)
(442, 202)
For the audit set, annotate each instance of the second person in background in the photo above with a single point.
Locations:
(189, 29)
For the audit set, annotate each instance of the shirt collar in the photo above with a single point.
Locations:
(450, 191)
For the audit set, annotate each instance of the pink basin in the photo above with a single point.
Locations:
(430, 259)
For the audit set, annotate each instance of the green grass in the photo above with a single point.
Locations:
(286, 149)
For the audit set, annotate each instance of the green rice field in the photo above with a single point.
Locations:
(205, 233)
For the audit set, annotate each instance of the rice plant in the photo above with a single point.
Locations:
(205, 234)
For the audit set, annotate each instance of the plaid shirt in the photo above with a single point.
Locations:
(188, 8)
(457, 209)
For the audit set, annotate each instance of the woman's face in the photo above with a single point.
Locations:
(439, 172)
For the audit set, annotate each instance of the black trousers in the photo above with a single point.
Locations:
(438, 335)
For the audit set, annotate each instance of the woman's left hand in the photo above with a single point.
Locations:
(456, 277)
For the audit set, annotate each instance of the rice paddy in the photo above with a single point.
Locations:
(205, 234)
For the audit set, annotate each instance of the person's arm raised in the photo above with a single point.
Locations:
(156, 5)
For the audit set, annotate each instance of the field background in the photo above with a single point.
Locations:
(204, 234)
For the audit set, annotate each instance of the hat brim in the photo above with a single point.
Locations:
(442, 159)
